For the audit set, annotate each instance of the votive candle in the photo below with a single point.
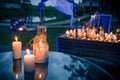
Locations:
(29, 62)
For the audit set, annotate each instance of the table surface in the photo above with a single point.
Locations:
(60, 66)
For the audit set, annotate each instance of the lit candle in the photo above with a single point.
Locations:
(74, 33)
(114, 38)
(29, 62)
(79, 33)
(67, 33)
(17, 48)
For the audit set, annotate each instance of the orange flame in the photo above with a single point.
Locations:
(16, 39)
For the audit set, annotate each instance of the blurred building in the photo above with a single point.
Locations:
(12, 3)
(90, 3)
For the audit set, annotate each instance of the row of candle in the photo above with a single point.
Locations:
(91, 34)
(29, 59)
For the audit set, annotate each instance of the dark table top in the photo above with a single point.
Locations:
(60, 66)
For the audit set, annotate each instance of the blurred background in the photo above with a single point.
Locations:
(27, 11)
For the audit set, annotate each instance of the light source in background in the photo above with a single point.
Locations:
(91, 33)
(20, 29)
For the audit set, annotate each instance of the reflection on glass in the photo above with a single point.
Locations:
(41, 71)
(29, 75)
(79, 70)
(17, 67)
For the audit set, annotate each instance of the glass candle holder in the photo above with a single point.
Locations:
(40, 45)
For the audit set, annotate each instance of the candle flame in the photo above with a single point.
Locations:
(16, 76)
(67, 32)
(27, 51)
(16, 39)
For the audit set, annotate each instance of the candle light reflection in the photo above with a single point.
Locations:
(41, 71)
(16, 76)
(40, 75)
(17, 68)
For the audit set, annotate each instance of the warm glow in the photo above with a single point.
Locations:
(40, 76)
(20, 29)
(27, 51)
(16, 76)
(16, 39)
(71, 31)
(67, 32)
(41, 43)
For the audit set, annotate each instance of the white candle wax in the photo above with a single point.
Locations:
(17, 49)
(29, 62)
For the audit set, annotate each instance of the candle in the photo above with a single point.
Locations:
(67, 33)
(17, 48)
(29, 62)
(114, 38)
(79, 33)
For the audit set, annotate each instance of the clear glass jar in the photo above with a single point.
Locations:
(40, 45)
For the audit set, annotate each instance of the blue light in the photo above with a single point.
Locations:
(16, 22)
(11, 27)
(20, 20)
